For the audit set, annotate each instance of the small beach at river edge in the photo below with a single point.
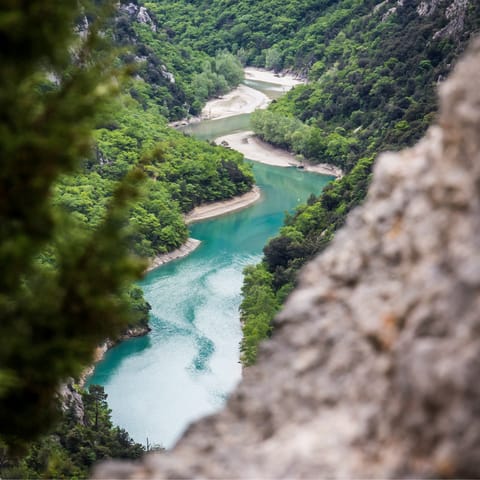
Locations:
(255, 149)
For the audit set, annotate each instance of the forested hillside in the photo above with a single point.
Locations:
(373, 74)
(81, 140)
(178, 78)
(181, 174)
(181, 171)
(372, 68)
(84, 435)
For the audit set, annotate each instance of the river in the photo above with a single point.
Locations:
(188, 364)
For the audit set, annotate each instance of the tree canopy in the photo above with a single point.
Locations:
(63, 289)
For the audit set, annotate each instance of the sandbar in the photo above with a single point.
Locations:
(261, 75)
(188, 247)
(217, 209)
(259, 151)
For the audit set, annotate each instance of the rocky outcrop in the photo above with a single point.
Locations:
(70, 399)
(139, 13)
(373, 368)
(454, 12)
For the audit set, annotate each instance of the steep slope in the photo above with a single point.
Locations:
(371, 88)
(178, 78)
(372, 371)
(69, 228)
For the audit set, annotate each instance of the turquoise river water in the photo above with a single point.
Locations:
(188, 364)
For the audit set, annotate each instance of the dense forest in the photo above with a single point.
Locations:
(92, 180)
(372, 68)
(84, 435)
(373, 74)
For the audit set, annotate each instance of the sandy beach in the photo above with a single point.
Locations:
(188, 247)
(205, 212)
(241, 100)
(244, 99)
(255, 149)
(217, 209)
(284, 79)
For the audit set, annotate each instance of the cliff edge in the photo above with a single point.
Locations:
(373, 367)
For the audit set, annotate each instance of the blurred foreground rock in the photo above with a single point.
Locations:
(374, 367)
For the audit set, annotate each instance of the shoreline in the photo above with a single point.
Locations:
(205, 212)
(248, 144)
(103, 348)
(224, 207)
(185, 249)
(202, 212)
(242, 99)
(284, 79)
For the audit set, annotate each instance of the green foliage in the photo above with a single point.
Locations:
(369, 68)
(217, 77)
(371, 88)
(63, 289)
(257, 310)
(181, 173)
(75, 444)
(310, 142)
(66, 239)
(306, 233)
(177, 78)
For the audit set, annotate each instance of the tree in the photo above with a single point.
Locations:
(62, 289)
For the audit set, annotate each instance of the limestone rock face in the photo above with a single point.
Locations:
(139, 13)
(373, 369)
(453, 10)
(71, 399)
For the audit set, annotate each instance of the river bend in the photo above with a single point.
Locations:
(189, 363)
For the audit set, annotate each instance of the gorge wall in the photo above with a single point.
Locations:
(373, 367)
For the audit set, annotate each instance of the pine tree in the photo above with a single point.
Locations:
(61, 288)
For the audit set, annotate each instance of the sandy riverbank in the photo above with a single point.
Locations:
(188, 247)
(284, 79)
(204, 212)
(242, 99)
(255, 149)
(217, 209)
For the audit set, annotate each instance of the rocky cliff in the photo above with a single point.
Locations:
(373, 368)
(454, 13)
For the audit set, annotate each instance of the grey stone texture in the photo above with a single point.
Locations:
(373, 370)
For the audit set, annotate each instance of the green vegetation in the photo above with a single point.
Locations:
(84, 435)
(306, 233)
(372, 82)
(63, 289)
(181, 174)
(372, 76)
(79, 144)
(372, 69)
(74, 158)
(178, 79)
